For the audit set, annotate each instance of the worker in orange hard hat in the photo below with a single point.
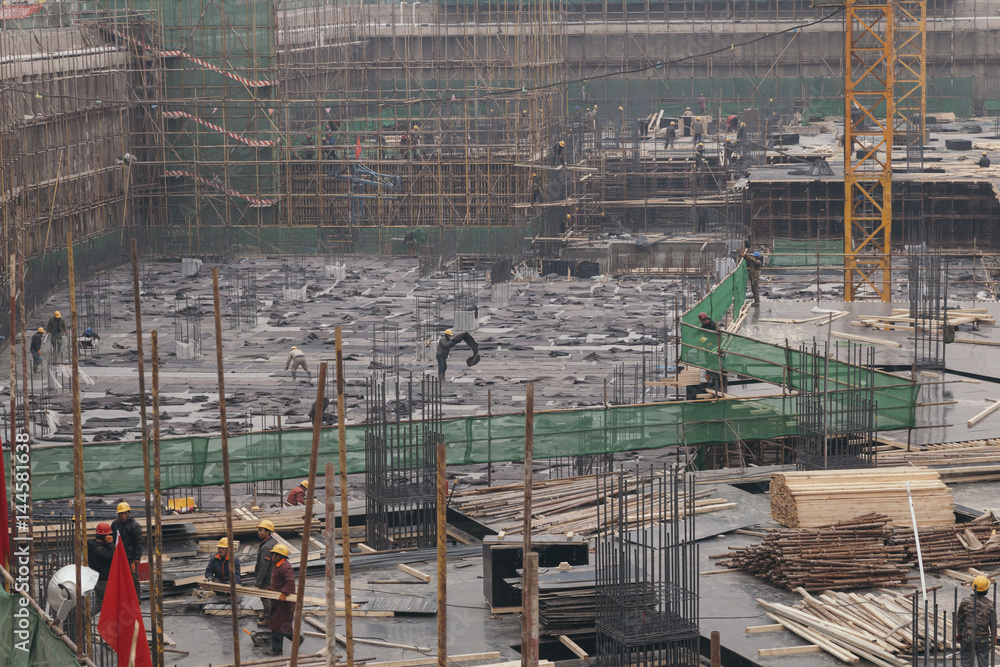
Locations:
(100, 552)
(218, 565)
(976, 625)
(56, 328)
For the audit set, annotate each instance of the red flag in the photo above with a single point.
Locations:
(121, 617)
(357, 151)
(4, 512)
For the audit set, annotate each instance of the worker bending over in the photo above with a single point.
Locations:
(297, 496)
(297, 360)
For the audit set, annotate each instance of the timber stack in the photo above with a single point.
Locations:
(846, 555)
(813, 498)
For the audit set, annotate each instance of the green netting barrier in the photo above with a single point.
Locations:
(41, 649)
(895, 397)
(116, 468)
(796, 253)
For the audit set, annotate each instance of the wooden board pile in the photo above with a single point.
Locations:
(900, 320)
(849, 627)
(956, 462)
(565, 505)
(811, 498)
(846, 555)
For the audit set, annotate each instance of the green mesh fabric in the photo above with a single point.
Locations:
(796, 253)
(895, 396)
(44, 649)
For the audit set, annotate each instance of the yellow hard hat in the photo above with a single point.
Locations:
(673, 123)
(984, 152)
(41, 329)
(415, 127)
(447, 332)
(562, 143)
(266, 524)
(58, 314)
(295, 347)
(223, 543)
(621, 108)
(701, 145)
(280, 549)
(981, 584)
(123, 507)
(305, 483)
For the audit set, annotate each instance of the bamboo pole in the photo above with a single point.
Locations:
(526, 616)
(79, 499)
(150, 539)
(225, 467)
(345, 532)
(156, 556)
(331, 565)
(442, 555)
(307, 520)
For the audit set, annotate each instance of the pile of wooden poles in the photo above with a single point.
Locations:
(566, 505)
(875, 627)
(846, 555)
(959, 546)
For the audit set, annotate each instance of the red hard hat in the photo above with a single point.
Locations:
(104, 528)
(702, 316)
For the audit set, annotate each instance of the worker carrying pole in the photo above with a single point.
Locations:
(446, 342)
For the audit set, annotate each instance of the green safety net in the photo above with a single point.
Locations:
(41, 649)
(795, 253)
(895, 397)
(116, 468)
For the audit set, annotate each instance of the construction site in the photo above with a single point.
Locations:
(537, 333)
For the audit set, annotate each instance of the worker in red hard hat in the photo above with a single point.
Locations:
(100, 551)
(707, 322)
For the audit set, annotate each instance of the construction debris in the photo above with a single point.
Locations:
(806, 499)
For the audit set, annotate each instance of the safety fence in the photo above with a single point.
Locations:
(793, 253)
(721, 351)
(42, 648)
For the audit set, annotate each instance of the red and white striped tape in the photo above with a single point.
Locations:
(256, 202)
(217, 128)
(250, 83)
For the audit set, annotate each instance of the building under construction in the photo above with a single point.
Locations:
(620, 463)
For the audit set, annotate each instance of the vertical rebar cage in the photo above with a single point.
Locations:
(928, 279)
(836, 415)
(385, 348)
(647, 570)
(243, 299)
(401, 434)
(429, 326)
(188, 313)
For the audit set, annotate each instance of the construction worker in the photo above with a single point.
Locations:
(686, 119)
(297, 496)
(732, 122)
(700, 161)
(218, 565)
(265, 565)
(445, 343)
(984, 161)
(707, 322)
(711, 377)
(670, 135)
(87, 339)
(130, 532)
(557, 154)
(741, 132)
(536, 188)
(698, 130)
(702, 103)
(282, 611)
(312, 410)
(976, 625)
(100, 551)
(36, 348)
(754, 263)
(297, 360)
(56, 328)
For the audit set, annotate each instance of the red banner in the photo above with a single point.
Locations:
(8, 12)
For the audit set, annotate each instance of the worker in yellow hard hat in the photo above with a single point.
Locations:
(56, 328)
(536, 188)
(130, 532)
(297, 359)
(297, 496)
(265, 565)
(976, 625)
(218, 565)
(282, 609)
(557, 154)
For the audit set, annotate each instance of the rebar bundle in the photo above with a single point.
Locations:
(243, 299)
(647, 572)
(402, 430)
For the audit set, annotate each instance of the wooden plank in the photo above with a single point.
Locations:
(413, 572)
(760, 629)
(366, 549)
(788, 650)
(432, 659)
(865, 339)
(574, 647)
(985, 413)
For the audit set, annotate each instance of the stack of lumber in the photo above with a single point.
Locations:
(900, 320)
(956, 462)
(850, 554)
(567, 505)
(849, 627)
(807, 499)
(953, 547)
